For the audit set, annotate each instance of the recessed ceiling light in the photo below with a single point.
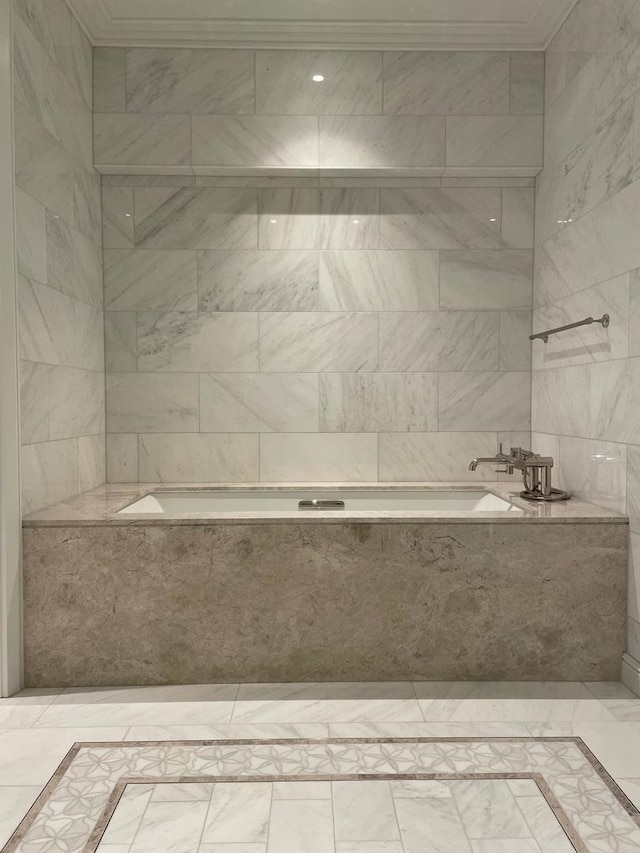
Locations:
(318, 78)
(273, 221)
(493, 220)
(356, 222)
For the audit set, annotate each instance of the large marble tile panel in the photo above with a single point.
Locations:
(16, 801)
(437, 456)
(488, 809)
(195, 218)
(150, 280)
(515, 346)
(318, 342)
(118, 218)
(56, 329)
(486, 280)
(258, 281)
(379, 281)
(74, 263)
(122, 458)
(561, 400)
(149, 180)
(572, 116)
(617, 65)
(615, 400)
(255, 140)
(69, 114)
(31, 237)
(34, 402)
(446, 831)
(439, 340)
(91, 461)
(440, 218)
(29, 64)
(494, 141)
(197, 342)
(238, 813)
(349, 218)
(446, 83)
(141, 140)
(259, 402)
(197, 458)
(178, 827)
(586, 343)
(87, 203)
(526, 83)
(484, 401)
(593, 471)
(174, 80)
(76, 402)
(380, 402)
(306, 825)
(320, 458)
(49, 473)
(288, 218)
(79, 65)
(285, 84)
(109, 86)
(364, 810)
(391, 141)
(633, 487)
(152, 402)
(518, 217)
(50, 23)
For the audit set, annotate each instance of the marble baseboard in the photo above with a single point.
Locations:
(283, 603)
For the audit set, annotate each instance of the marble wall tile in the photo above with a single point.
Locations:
(586, 343)
(634, 312)
(152, 402)
(526, 83)
(318, 342)
(31, 237)
(352, 82)
(258, 281)
(195, 218)
(148, 180)
(184, 341)
(34, 402)
(259, 402)
(69, 114)
(446, 83)
(484, 401)
(87, 203)
(150, 280)
(615, 386)
(633, 632)
(120, 341)
(117, 218)
(593, 471)
(359, 141)
(381, 402)
(617, 65)
(80, 62)
(494, 141)
(440, 218)
(515, 346)
(122, 458)
(29, 64)
(76, 402)
(518, 217)
(210, 458)
(439, 340)
(170, 80)
(149, 140)
(379, 281)
(428, 456)
(494, 181)
(572, 116)
(486, 280)
(56, 329)
(49, 473)
(633, 487)
(91, 462)
(288, 218)
(74, 263)
(50, 23)
(349, 218)
(255, 140)
(572, 386)
(320, 458)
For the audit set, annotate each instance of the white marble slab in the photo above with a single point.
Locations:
(305, 825)
(189, 458)
(238, 813)
(433, 456)
(592, 470)
(49, 473)
(155, 402)
(109, 87)
(120, 340)
(484, 401)
(614, 400)
(141, 140)
(572, 115)
(150, 280)
(488, 809)
(34, 402)
(74, 263)
(364, 811)
(518, 217)
(572, 385)
(179, 828)
(494, 141)
(446, 831)
(76, 402)
(122, 458)
(31, 238)
(256, 140)
(117, 218)
(322, 458)
(259, 402)
(439, 340)
(633, 487)
(374, 141)
(352, 82)
(515, 346)
(288, 218)
(486, 280)
(92, 460)
(379, 281)
(526, 83)
(349, 218)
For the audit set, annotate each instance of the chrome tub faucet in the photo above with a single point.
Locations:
(536, 472)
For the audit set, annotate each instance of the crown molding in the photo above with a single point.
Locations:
(105, 30)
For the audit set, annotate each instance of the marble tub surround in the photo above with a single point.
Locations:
(303, 323)
(207, 111)
(585, 401)
(59, 257)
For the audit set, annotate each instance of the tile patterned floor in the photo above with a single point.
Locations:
(160, 811)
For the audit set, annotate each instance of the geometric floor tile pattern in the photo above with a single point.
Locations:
(455, 795)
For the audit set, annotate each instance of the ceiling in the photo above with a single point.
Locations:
(323, 24)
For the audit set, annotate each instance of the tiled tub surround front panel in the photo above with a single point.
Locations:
(586, 404)
(60, 292)
(207, 111)
(324, 601)
(307, 333)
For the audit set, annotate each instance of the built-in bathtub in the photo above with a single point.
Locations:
(144, 584)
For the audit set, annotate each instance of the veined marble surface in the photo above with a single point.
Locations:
(255, 140)
(484, 401)
(494, 141)
(136, 140)
(184, 458)
(147, 280)
(140, 402)
(481, 280)
(359, 141)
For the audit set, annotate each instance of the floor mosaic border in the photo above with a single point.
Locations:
(580, 792)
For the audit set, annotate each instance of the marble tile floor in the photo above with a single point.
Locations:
(38, 727)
